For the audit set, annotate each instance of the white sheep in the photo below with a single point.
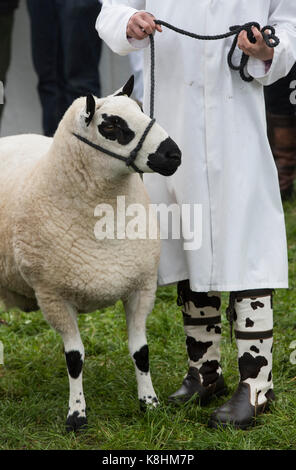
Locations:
(49, 255)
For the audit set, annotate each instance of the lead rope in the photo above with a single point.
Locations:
(234, 31)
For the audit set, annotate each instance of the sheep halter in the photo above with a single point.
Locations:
(130, 159)
(234, 31)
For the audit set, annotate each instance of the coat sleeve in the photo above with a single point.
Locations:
(282, 15)
(112, 22)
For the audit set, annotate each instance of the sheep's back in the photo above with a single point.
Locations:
(18, 156)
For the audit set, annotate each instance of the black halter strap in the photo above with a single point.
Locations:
(130, 159)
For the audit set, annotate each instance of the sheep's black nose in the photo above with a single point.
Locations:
(166, 159)
(170, 149)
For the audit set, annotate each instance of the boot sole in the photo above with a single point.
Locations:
(201, 402)
(219, 424)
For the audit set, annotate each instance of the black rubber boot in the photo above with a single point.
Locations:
(238, 411)
(192, 385)
(202, 326)
(253, 322)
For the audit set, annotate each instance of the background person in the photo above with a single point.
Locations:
(7, 8)
(281, 120)
(66, 53)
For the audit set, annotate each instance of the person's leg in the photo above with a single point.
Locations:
(282, 138)
(253, 322)
(281, 123)
(6, 25)
(44, 38)
(202, 325)
(80, 50)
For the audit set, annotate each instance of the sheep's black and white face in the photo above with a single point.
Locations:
(117, 124)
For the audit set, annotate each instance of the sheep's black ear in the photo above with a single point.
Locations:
(128, 87)
(90, 109)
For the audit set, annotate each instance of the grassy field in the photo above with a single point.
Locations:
(34, 383)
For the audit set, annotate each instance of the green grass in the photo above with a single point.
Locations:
(34, 383)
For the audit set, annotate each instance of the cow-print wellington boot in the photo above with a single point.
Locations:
(202, 325)
(253, 322)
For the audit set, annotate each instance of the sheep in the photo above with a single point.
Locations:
(49, 255)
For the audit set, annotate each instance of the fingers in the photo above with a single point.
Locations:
(257, 35)
(156, 26)
(141, 25)
(148, 28)
(137, 32)
(259, 50)
(268, 35)
(248, 47)
(135, 27)
(243, 43)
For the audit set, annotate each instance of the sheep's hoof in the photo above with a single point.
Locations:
(76, 423)
(149, 403)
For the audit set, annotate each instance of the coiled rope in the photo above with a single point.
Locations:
(268, 34)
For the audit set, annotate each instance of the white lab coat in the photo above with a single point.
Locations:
(219, 123)
(137, 64)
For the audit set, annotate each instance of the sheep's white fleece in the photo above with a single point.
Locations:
(48, 249)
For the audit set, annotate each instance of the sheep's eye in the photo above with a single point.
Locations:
(115, 128)
(109, 128)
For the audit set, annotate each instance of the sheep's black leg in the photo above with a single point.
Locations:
(74, 352)
(137, 309)
(63, 318)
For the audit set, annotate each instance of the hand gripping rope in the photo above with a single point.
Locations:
(268, 34)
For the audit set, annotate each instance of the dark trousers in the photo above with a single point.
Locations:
(66, 52)
(278, 96)
(6, 24)
(281, 126)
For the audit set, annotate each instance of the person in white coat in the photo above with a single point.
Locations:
(219, 122)
(136, 63)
